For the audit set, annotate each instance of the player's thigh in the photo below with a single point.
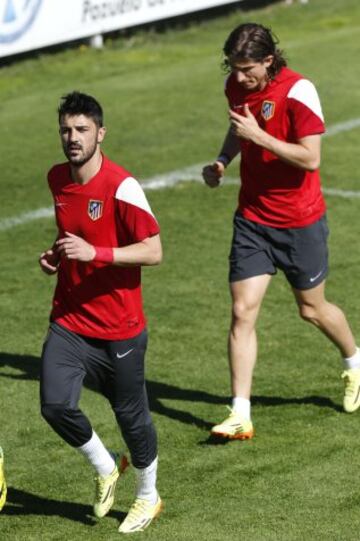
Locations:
(306, 263)
(128, 360)
(247, 295)
(99, 367)
(313, 298)
(250, 254)
(62, 370)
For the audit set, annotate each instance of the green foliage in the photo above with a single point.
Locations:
(164, 110)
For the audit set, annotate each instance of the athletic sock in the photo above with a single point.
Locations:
(353, 361)
(242, 406)
(146, 482)
(98, 455)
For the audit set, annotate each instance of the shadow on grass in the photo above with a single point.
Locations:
(20, 502)
(28, 368)
(320, 401)
(313, 400)
(158, 391)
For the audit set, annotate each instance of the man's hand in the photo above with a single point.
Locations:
(49, 262)
(74, 247)
(244, 126)
(212, 174)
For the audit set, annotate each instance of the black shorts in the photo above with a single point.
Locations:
(300, 252)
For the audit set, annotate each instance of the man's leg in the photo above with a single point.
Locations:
(131, 407)
(247, 296)
(330, 319)
(62, 373)
(61, 378)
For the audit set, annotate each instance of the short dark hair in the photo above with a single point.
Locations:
(252, 41)
(77, 103)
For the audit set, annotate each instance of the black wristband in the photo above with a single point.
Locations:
(224, 159)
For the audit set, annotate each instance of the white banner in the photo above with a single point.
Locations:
(32, 24)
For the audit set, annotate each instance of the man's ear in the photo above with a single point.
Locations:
(101, 134)
(268, 60)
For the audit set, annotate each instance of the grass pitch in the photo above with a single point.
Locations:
(164, 109)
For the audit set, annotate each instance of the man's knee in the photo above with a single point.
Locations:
(131, 418)
(310, 313)
(243, 314)
(53, 413)
(70, 424)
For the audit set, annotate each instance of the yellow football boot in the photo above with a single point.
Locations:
(140, 516)
(351, 379)
(234, 427)
(105, 488)
(3, 488)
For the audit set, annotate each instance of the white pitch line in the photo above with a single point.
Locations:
(8, 223)
(346, 194)
(342, 126)
(191, 173)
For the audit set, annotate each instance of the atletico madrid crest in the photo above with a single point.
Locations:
(95, 209)
(267, 109)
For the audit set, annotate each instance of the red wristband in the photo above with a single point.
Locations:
(104, 254)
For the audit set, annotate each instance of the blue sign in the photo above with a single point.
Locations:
(16, 17)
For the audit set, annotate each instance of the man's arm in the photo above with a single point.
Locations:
(213, 173)
(305, 154)
(146, 252)
(49, 260)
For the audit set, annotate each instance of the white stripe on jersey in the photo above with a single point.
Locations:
(131, 192)
(305, 92)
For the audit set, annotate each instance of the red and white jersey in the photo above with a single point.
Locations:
(273, 192)
(97, 299)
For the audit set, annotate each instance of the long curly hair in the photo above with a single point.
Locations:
(252, 41)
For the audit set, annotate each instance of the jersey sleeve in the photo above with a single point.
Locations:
(50, 179)
(134, 210)
(305, 109)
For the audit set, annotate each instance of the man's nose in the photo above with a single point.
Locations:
(73, 136)
(240, 77)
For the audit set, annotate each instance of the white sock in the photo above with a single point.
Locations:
(98, 455)
(353, 361)
(242, 406)
(146, 482)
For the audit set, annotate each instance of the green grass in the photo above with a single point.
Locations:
(165, 110)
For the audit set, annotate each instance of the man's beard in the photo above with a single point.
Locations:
(78, 161)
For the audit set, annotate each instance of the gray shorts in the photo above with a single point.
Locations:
(300, 252)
